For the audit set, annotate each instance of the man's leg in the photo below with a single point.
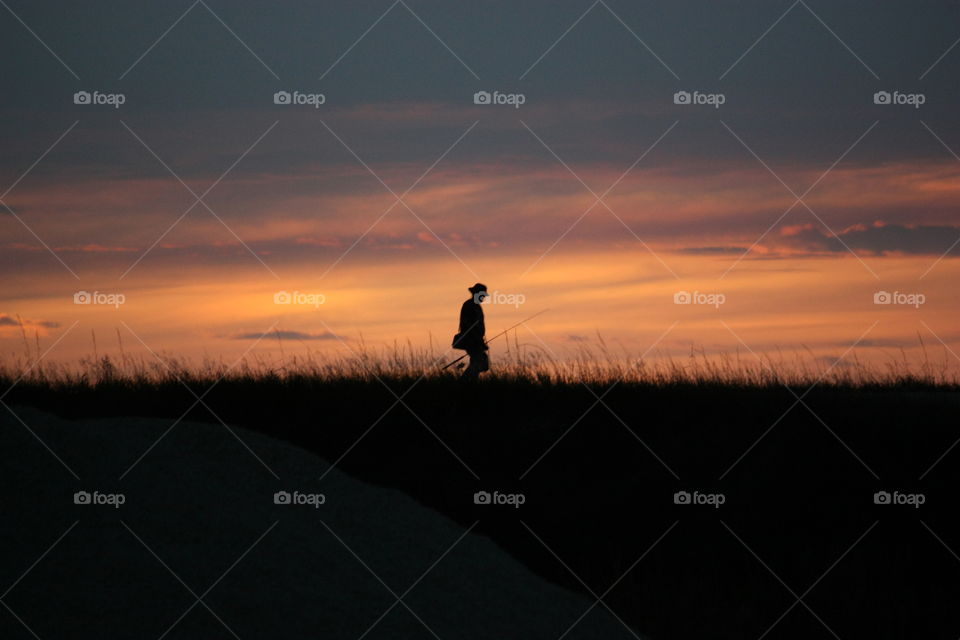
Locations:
(478, 363)
(483, 361)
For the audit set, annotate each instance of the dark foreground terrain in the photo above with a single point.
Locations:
(788, 541)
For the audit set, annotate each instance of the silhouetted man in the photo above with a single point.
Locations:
(472, 330)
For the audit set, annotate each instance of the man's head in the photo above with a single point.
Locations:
(479, 292)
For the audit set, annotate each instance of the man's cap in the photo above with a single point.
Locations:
(477, 288)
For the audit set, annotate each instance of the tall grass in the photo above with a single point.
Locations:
(595, 364)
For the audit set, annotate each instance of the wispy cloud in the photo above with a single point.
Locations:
(712, 251)
(878, 238)
(7, 320)
(289, 335)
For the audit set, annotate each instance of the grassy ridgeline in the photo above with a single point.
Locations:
(521, 362)
(599, 478)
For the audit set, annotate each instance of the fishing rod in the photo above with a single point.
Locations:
(498, 335)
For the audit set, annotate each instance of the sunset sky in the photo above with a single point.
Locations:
(198, 199)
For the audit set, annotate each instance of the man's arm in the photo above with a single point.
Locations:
(466, 318)
(471, 324)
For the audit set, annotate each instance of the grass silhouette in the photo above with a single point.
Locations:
(529, 362)
(599, 444)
